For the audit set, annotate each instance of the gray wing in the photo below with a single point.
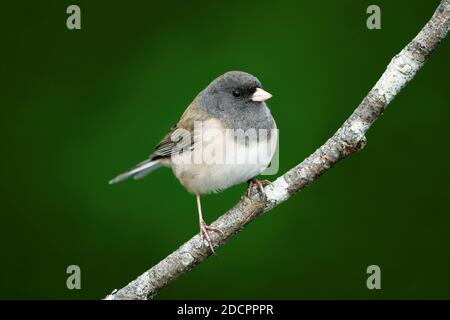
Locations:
(178, 139)
(181, 136)
(175, 141)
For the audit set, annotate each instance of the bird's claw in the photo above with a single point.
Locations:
(260, 184)
(204, 234)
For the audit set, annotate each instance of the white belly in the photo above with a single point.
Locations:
(218, 169)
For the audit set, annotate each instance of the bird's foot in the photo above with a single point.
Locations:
(260, 184)
(204, 234)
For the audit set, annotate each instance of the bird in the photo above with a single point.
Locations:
(226, 136)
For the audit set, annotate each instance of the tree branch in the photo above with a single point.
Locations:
(349, 138)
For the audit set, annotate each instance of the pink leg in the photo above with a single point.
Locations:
(204, 228)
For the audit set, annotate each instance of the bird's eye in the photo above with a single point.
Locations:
(236, 93)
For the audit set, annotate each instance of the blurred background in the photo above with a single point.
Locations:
(79, 107)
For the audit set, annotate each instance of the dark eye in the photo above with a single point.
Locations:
(236, 93)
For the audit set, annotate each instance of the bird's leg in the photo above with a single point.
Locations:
(259, 183)
(204, 228)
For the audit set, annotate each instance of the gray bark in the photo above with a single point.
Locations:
(349, 138)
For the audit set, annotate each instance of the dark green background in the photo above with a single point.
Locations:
(79, 107)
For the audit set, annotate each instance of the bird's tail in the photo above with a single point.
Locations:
(139, 171)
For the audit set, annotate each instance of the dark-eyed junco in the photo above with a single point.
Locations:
(226, 136)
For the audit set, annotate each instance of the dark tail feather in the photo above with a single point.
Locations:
(138, 171)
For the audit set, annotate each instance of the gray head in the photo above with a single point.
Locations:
(237, 98)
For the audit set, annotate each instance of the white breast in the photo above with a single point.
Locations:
(221, 161)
